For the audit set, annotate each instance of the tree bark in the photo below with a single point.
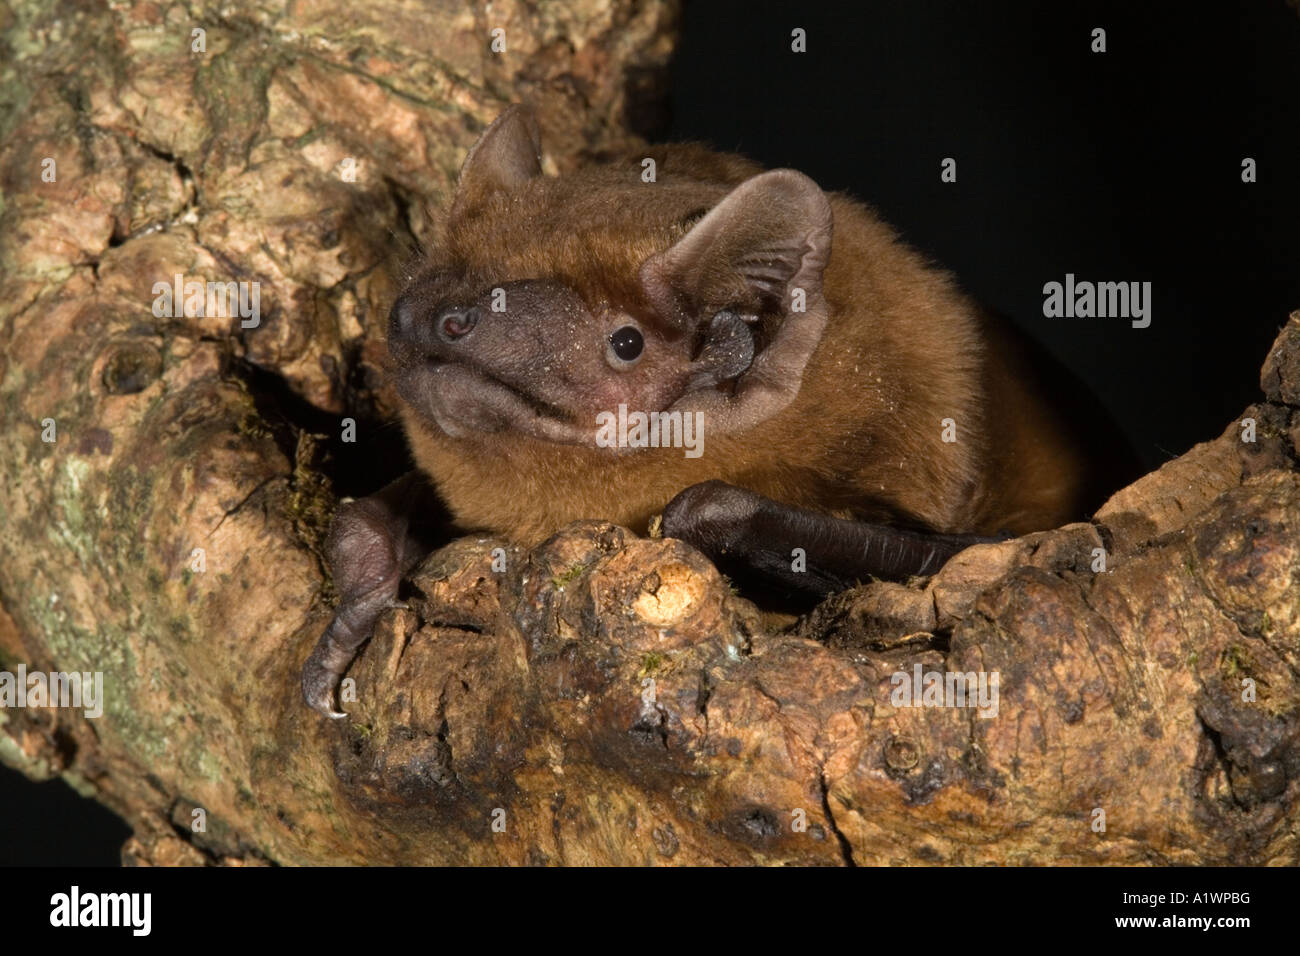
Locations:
(604, 698)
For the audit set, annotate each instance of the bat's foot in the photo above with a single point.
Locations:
(369, 549)
(351, 626)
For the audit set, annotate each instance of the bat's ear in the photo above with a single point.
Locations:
(761, 251)
(767, 238)
(505, 156)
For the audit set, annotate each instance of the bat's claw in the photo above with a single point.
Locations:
(318, 686)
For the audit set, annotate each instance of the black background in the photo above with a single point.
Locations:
(1122, 166)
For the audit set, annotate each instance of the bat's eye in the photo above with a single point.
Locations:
(625, 345)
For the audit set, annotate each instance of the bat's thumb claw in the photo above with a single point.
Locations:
(318, 684)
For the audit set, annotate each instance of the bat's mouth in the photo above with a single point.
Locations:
(460, 399)
(541, 408)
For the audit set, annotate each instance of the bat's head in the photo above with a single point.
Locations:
(551, 300)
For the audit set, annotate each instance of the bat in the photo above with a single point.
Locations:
(683, 333)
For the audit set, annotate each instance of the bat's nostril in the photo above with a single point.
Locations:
(456, 323)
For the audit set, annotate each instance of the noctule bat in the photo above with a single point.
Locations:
(851, 401)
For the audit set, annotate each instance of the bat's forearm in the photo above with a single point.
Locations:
(726, 522)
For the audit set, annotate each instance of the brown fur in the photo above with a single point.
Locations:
(903, 350)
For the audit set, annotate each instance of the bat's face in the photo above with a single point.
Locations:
(531, 355)
(553, 301)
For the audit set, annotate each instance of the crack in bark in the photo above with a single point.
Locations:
(243, 501)
(846, 848)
